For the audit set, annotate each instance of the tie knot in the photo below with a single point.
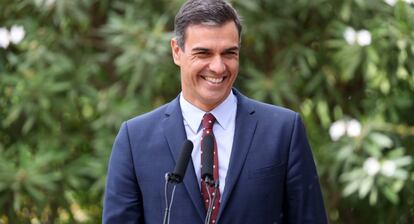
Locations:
(208, 121)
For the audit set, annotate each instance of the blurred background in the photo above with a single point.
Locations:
(72, 70)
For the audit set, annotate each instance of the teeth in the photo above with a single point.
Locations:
(214, 80)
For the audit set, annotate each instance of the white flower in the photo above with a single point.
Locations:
(49, 3)
(388, 168)
(371, 166)
(363, 37)
(353, 128)
(337, 129)
(4, 38)
(391, 2)
(16, 34)
(350, 35)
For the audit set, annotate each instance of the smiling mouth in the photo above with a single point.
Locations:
(214, 80)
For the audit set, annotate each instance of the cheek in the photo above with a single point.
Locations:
(198, 67)
(233, 68)
(189, 74)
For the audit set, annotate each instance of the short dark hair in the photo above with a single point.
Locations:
(216, 12)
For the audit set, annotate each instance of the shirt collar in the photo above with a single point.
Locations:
(223, 112)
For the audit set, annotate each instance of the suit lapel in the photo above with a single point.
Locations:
(175, 134)
(246, 123)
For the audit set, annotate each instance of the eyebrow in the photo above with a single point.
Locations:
(232, 49)
(198, 49)
(202, 49)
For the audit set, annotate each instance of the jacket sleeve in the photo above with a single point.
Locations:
(123, 199)
(304, 202)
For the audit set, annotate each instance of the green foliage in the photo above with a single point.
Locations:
(84, 66)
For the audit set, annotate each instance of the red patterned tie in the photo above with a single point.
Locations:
(207, 123)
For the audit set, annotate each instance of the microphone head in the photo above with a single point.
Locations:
(207, 158)
(182, 163)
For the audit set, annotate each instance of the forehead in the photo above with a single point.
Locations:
(208, 34)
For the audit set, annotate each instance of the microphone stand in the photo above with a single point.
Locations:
(211, 201)
(176, 177)
(169, 177)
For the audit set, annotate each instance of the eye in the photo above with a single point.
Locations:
(231, 54)
(202, 54)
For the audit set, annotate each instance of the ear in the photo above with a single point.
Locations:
(176, 51)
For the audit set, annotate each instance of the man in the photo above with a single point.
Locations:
(265, 166)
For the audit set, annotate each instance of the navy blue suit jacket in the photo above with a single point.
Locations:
(271, 176)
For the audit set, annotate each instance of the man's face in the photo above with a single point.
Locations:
(209, 63)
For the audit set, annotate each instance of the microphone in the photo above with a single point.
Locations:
(182, 163)
(207, 159)
(176, 177)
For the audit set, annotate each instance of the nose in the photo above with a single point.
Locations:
(217, 65)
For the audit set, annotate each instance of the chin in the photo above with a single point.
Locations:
(213, 100)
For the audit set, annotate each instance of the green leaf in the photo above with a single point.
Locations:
(351, 188)
(401, 174)
(365, 187)
(381, 140)
(13, 115)
(390, 195)
(353, 175)
(373, 196)
(404, 161)
(397, 186)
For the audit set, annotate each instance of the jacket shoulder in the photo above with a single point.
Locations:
(271, 111)
(154, 118)
(149, 117)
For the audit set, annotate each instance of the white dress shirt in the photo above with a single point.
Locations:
(223, 129)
